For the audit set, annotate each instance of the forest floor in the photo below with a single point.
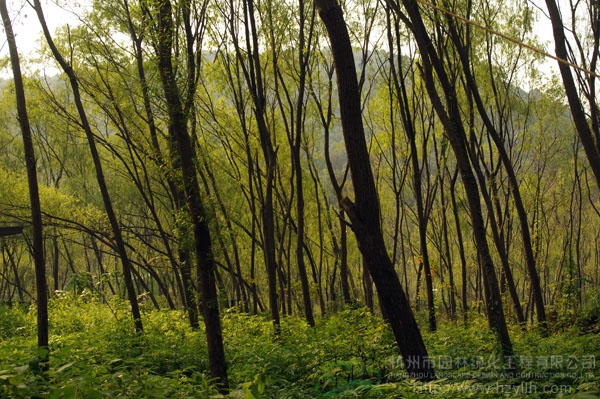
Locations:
(94, 353)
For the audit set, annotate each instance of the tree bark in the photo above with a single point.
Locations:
(589, 142)
(205, 264)
(110, 213)
(452, 121)
(364, 214)
(34, 196)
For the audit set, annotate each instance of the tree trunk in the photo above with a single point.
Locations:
(365, 214)
(514, 186)
(461, 247)
(182, 264)
(34, 197)
(205, 264)
(110, 213)
(255, 83)
(303, 55)
(448, 256)
(422, 217)
(590, 144)
(452, 121)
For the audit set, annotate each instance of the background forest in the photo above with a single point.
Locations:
(190, 156)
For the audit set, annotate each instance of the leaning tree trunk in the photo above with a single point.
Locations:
(590, 143)
(34, 197)
(452, 121)
(364, 214)
(514, 184)
(110, 212)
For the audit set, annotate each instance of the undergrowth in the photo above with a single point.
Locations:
(352, 354)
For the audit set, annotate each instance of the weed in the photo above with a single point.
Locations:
(96, 354)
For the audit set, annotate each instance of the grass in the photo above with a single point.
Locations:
(95, 354)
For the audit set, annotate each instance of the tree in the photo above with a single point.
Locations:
(295, 143)
(178, 114)
(589, 135)
(324, 111)
(108, 205)
(176, 190)
(34, 197)
(408, 120)
(473, 90)
(364, 213)
(249, 69)
(448, 111)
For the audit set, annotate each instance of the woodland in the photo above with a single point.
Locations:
(289, 199)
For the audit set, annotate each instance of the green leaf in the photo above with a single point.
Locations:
(64, 367)
(21, 369)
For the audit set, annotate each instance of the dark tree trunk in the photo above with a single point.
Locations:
(182, 264)
(55, 263)
(255, 82)
(238, 282)
(303, 55)
(110, 213)
(422, 217)
(502, 254)
(514, 186)
(205, 264)
(364, 214)
(344, 260)
(461, 247)
(368, 286)
(448, 253)
(452, 121)
(34, 197)
(591, 144)
(342, 253)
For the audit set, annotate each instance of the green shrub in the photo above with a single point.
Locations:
(95, 353)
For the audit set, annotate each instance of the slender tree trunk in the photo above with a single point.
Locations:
(21, 291)
(317, 267)
(514, 185)
(112, 217)
(507, 272)
(55, 263)
(296, 147)
(326, 117)
(344, 259)
(461, 247)
(452, 121)
(239, 280)
(367, 286)
(205, 264)
(181, 265)
(591, 145)
(254, 80)
(364, 214)
(34, 196)
(422, 217)
(448, 256)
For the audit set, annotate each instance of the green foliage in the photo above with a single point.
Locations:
(96, 354)
(14, 322)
